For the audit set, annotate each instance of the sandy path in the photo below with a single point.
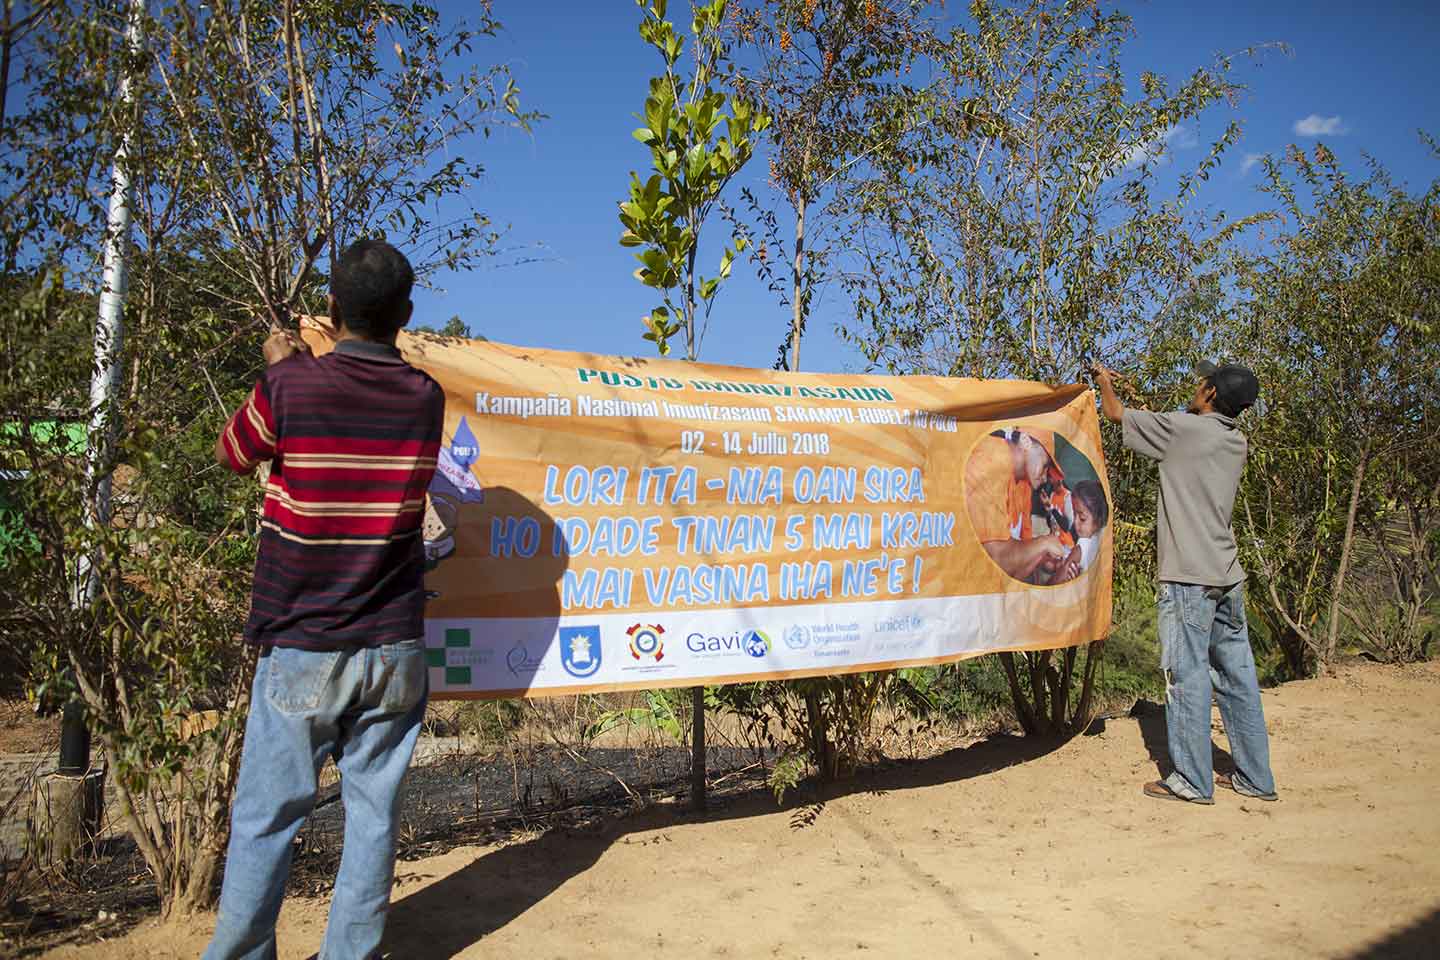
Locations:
(1006, 849)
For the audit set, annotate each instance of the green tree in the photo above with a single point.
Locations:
(693, 160)
(1339, 315)
(832, 78)
(699, 138)
(301, 127)
(454, 327)
(1391, 607)
(267, 134)
(1016, 231)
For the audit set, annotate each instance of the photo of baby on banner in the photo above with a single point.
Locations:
(1036, 504)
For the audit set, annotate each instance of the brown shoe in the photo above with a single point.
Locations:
(1228, 782)
(1159, 791)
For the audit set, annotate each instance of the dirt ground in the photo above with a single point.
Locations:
(23, 732)
(1004, 849)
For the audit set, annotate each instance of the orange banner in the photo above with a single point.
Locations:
(602, 523)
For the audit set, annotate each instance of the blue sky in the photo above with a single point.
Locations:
(1364, 76)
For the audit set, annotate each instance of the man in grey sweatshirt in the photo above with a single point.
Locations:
(1204, 640)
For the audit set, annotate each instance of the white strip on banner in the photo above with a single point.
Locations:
(540, 657)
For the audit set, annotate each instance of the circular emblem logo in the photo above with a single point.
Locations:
(757, 644)
(646, 642)
(797, 637)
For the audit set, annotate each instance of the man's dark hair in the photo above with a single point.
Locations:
(1236, 388)
(371, 284)
(1092, 495)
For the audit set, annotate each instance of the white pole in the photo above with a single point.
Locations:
(109, 326)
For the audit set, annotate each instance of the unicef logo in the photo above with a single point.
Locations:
(757, 644)
(797, 637)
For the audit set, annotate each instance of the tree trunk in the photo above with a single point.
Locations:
(1038, 663)
(1294, 645)
(1333, 627)
(1081, 719)
(797, 303)
(1045, 709)
(1023, 712)
(692, 345)
(1060, 691)
(822, 749)
(67, 812)
(699, 789)
(6, 42)
(109, 327)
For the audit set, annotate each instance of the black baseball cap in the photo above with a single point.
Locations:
(1236, 388)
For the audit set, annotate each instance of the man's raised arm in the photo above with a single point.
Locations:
(1110, 403)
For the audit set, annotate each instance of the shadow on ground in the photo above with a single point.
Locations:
(505, 883)
(1420, 941)
(1151, 718)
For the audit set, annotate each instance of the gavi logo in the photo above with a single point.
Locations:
(753, 643)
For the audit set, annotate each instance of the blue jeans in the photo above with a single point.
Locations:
(363, 707)
(1205, 650)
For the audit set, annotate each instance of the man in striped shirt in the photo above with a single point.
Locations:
(337, 605)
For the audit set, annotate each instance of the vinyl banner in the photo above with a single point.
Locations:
(600, 523)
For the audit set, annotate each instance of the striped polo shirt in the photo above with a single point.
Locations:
(353, 438)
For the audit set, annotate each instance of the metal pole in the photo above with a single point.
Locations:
(698, 786)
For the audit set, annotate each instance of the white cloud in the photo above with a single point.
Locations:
(1318, 126)
(1251, 160)
(1158, 150)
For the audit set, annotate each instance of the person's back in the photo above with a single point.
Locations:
(341, 561)
(1201, 457)
(1204, 637)
(337, 607)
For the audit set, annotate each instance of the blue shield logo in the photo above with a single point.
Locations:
(580, 650)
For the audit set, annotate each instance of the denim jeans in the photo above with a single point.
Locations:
(1205, 649)
(362, 707)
